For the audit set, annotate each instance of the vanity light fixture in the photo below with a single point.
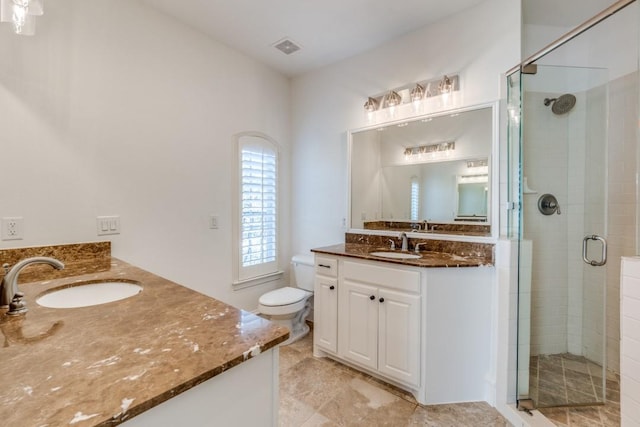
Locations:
(21, 15)
(477, 163)
(478, 167)
(431, 148)
(473, 179)
(415, 93)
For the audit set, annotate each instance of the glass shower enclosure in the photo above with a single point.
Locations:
(572, 141)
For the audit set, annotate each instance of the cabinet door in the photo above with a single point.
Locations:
(325, 333)
(359, 323)
(399, 336)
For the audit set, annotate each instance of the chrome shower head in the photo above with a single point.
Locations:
(562, 104)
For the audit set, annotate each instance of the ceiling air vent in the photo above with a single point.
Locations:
(286, 46)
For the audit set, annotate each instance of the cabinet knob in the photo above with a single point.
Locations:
(381, 300)
(332, 287)
(372, 297)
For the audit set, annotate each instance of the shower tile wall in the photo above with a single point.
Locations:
(562, 317)
(545, 154)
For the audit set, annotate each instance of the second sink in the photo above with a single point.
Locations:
(395, 255)
(88, 294)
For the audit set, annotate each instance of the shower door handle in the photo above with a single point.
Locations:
(585, 244)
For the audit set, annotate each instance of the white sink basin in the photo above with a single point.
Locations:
(395, 255)
(88, 294)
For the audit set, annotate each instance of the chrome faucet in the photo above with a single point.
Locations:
(405, 241)
(9, 295)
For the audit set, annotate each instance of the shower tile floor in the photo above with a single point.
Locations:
(566, 380)
(321, 392)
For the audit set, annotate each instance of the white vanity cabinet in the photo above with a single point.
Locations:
(379, 319)
(325, 322)
(369, 314)
(427, 330)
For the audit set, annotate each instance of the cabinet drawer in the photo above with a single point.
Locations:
(395, 278)
(326, 266)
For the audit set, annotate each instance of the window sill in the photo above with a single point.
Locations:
(256, 281)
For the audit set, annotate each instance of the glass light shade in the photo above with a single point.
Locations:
(393, 99)
(23, 23)
(371, 105)
(417, 93)
(445, 85)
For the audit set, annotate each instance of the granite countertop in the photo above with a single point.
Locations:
(102, 365)
(428, 259)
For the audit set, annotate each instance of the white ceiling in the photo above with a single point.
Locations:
(331, 30)
(327, 30)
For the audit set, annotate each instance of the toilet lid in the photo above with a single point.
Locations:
(283, 296)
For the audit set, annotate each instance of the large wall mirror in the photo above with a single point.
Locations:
(432, 174)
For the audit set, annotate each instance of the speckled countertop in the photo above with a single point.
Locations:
(101, 365)
(427, 259)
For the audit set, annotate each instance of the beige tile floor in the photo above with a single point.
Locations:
(321, 392)
(565, 379)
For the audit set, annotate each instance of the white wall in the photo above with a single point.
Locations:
(114, 108)
(328, 102)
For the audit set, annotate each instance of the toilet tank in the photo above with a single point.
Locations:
(303, 271)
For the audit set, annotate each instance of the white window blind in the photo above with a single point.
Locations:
(415, 198)
(258, 207)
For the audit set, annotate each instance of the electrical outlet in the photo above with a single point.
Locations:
(108, 225)
(12, 228)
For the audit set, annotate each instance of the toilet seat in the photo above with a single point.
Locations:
(283, 296)
(283, 301)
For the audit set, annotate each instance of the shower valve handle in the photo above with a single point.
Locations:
(548, 205)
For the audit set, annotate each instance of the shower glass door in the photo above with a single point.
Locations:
(564, 177)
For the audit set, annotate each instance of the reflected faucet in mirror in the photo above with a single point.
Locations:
(405, 241)
(9, 295)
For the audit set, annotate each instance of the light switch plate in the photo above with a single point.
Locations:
(213, 222)
(108, 225)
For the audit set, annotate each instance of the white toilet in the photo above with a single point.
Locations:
(290, 306)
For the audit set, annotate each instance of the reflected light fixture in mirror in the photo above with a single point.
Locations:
(21, 15)
(430, 152)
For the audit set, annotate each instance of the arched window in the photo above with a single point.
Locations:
(256, 254)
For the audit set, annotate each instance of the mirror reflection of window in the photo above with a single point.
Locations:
(415, 198)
